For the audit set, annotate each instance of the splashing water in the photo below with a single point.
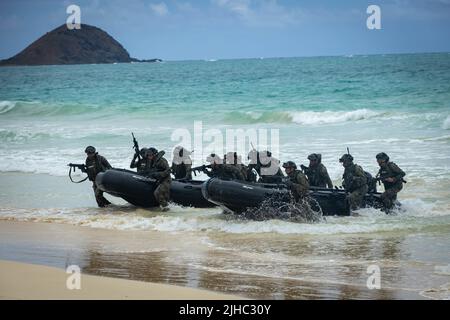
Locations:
(306, 210)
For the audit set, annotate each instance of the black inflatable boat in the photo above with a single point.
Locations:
(138, 190)
(236, 197)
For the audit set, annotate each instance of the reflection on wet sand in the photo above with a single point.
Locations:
(261, 266)
(233, 273)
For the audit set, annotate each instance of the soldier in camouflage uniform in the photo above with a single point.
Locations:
(95, 164)
(141, 163)
(182, 164)
(221, 170)
(232, 158)
(316, 172)
(392, 177)
(355, 182)
(297, 183)
(158, 168)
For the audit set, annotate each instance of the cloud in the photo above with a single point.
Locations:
(159, 9)
(239, 7)
(261, 12)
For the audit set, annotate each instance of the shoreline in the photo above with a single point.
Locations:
(24, 281)
(133, 264)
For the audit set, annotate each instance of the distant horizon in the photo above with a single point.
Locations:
(318, 56)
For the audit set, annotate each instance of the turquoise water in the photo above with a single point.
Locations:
(399, 104)
(326, 102)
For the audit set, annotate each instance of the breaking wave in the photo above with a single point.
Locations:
(36, 108)
(303, 117)
(6, 106)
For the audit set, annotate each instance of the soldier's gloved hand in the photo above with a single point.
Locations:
(304, 168)
(154, 175)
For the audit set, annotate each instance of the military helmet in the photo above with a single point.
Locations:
(90, 149)
(313, 157)
(346, 157)
(143, 152)
(152, 151)
(289, 164)
(382, 156)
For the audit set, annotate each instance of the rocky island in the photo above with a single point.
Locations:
(63, 46)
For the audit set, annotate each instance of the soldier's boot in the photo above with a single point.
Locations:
(389, 197)
(354, 200)
(101, 200)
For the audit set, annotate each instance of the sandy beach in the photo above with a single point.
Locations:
(132, 264)
(35, 280)
(27, 281)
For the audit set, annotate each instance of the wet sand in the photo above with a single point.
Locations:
(302, 267)
(20, 281)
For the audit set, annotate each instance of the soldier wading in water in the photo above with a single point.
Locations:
(95, 164)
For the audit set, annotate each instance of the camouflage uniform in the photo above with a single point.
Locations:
(275, 178)
(95, 166)
(159, 169)
(182, 171)
(250, 175)
(318, 176)
(391, 170)
(298, 185)
(182, 164)
(237, 162)
(355, 182)
(225, 172)
(140, 164)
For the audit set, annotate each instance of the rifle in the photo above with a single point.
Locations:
(81, 167)
(201, 168)
(305, 169)
(380, 179)
(136, 147)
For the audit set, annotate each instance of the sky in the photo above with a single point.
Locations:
(229, 29)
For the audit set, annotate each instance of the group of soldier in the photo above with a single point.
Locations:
(151, 163)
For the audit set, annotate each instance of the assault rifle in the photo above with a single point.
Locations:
(201, 168)
(136, 147)
(73, 166)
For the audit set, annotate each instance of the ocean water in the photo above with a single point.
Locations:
(399, 104)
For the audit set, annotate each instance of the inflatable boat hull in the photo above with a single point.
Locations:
(237, 197)
(138, 190)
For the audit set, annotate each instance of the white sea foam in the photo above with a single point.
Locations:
(327, 117)
(414, 216)
(6, 106)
